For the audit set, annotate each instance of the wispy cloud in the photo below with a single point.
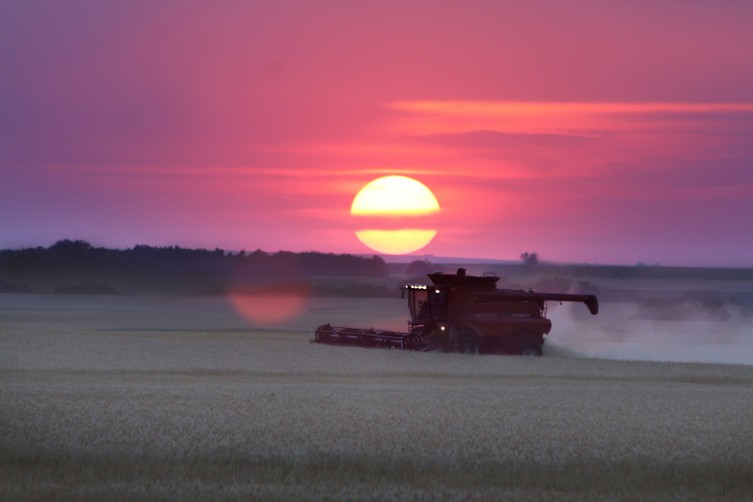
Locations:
(567, 118)
(537, 134)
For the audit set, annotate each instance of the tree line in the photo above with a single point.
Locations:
(77, 256)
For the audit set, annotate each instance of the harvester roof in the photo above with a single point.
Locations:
(463, 280)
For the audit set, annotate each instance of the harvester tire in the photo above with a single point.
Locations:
(531, 349)
(464, 340)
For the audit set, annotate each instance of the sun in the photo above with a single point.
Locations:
(395, 214)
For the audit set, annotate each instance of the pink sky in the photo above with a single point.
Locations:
(608, 132)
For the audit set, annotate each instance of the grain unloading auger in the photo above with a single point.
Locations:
(464, 313)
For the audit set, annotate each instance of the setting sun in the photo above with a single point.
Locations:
(396, 215)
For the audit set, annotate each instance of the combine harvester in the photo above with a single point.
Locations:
(464, 313)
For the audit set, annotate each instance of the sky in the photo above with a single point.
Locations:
(585, 131)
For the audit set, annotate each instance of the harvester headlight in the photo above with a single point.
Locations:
(441, 328)
(436, 291)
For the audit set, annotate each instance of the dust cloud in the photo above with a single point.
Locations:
(689, 328)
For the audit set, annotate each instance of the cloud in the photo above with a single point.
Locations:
(493, 140)
(555, 118)
(651, 135)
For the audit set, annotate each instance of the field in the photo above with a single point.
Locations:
(134, 397)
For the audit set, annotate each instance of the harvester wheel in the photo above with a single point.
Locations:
(531, 349)
(431, 341)
(464, 340)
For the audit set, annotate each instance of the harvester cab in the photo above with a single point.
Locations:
(463, 313)
(426, 304)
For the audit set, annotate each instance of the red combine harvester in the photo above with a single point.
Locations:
(464, 313)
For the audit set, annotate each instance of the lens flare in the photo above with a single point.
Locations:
(271, 305)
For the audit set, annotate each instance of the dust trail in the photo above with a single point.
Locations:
(681, 330)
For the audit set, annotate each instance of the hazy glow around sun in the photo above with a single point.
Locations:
(394, 195)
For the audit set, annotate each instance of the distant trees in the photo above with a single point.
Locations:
(287, 264)
(70, 247)
(529, 259)
(419, 268)
(77, 256)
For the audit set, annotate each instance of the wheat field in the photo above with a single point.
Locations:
(158, 398)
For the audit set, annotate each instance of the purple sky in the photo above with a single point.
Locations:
(587, 131)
